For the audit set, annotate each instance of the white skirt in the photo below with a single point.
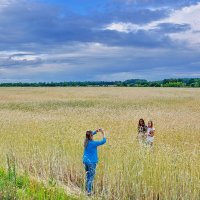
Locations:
(150, 139)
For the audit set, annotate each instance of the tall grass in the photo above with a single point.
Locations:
(15, 186)
(44, 128)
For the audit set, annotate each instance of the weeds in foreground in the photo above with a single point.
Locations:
(14, 186)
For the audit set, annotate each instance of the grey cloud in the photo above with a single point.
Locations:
(172, 28)
(27, 24)
(72, 46)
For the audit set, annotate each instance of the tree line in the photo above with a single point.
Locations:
(181, 82)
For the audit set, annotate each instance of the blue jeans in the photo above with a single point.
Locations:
(90, 174)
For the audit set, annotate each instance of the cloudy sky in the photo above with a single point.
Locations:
(77, 40)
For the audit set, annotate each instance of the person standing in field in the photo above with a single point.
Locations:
(90, 157)
(142, 131)
(150, 133)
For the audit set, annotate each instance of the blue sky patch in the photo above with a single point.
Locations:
(76, 40)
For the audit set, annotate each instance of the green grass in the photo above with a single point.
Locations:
(13, 186)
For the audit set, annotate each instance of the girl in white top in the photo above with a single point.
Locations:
(150, 133)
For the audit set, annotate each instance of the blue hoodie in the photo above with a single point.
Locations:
(90, 155)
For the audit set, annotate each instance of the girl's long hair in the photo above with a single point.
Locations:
(87, 138)
(143, 123)
(151, 123)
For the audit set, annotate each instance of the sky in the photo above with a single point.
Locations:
(98, 40)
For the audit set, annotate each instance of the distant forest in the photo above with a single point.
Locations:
(182, 82)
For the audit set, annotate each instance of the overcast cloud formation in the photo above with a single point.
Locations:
(76, 40)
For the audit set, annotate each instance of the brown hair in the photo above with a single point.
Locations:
(87, 138)
(142, 122)
(151, 123)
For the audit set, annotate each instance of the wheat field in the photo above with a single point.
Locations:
(44, 129)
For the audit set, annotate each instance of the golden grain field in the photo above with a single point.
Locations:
(44, 129)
